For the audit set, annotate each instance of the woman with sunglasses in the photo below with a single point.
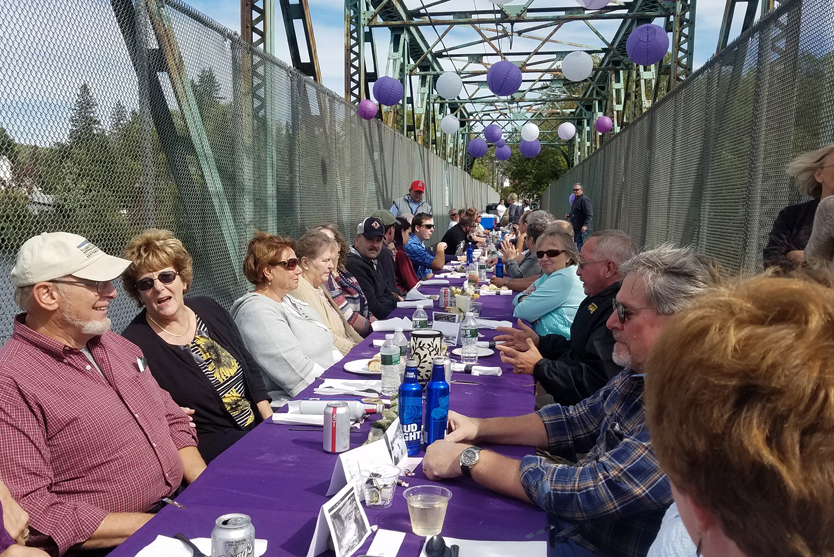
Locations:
(551, 302)
(285, 335)
(317, 254)
(193, 347)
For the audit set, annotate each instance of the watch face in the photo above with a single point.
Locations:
(469, 457)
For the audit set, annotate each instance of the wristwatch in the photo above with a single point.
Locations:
(469, 458)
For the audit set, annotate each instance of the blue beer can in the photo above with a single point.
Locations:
(411, 408)
(437, 403)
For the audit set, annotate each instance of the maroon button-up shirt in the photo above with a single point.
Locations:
(77, 446)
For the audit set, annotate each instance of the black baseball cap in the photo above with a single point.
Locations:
(371, 227)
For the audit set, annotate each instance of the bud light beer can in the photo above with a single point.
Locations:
(336, 427)
(447, 300)
(233, 536)
(437, 402)
(411, 408)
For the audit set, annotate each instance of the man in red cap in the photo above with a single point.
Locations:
(411, 203)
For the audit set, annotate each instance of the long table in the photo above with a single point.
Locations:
(279, 475)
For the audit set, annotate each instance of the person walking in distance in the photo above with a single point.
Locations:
(580, 215)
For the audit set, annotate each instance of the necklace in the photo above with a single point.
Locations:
(164, 330)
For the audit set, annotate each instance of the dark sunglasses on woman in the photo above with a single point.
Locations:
(551, 253)
(165, 277)
(289, 264)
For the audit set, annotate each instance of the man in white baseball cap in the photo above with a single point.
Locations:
(97, 443)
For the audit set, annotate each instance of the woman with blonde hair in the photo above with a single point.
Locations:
(814, 175)
(192, 346)
(285, 336)
(316, 253)
(344, 288)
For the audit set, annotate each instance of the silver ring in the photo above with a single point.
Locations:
(26, 535)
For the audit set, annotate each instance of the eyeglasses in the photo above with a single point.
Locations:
(623, 312)
(583, 263)
(577, 189)
(289, 264)
(429, 226)
(100, 285)
(452, 215)
(165, 277)
(551, 253)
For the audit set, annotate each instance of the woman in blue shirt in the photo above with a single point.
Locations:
(550, 303)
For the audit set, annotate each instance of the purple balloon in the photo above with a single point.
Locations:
(572, 198)
(500, 143)
(367, 109)
(503, 153)
(604, 124)
(493, 133)
(388, 90)
(478, 147)
(504, 78)
(647, 44)
(530, 148)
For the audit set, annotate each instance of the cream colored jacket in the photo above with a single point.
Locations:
(344, 337)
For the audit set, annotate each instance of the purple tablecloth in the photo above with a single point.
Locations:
(279, 476)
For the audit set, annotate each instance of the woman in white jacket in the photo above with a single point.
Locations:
(273, 324)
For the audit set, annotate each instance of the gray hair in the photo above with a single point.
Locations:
(673, 276)
(613, 245)
(537, 223)
(803, 167)
(562, 226)
(313, 244)
(23, 295)
(565, 242)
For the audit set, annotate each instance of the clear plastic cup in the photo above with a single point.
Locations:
(379, 485)
(475, 308)
(427, 508)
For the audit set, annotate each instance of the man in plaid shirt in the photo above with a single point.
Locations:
(612, 500)
(91, 443)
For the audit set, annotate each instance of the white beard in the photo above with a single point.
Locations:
(88, 327)
(621, 356)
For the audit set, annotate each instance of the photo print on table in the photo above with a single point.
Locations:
(348, 523)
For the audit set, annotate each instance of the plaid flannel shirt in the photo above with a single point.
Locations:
(615, 497)
(420, 257)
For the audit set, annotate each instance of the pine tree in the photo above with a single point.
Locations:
(118, 118)
(206, 91)
(84, 124)
(8, 146)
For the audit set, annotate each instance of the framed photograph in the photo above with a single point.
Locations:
(449, 325)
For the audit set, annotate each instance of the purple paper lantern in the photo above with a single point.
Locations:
(388, 91)
(503, 153)
(478, 147)
(572, 198)
(504, 78)
(604, 124)
(500, 143)
(647, 44)
(367, 109)
(493, 133)
(530, 148)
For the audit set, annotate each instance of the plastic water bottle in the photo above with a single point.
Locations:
(469, 340)
(469, 254)
(482, 270)
(419, 320)
(400, 340)
(437, 403)
(411, 408)
(472, 276)
(390, 366)
(499, 269)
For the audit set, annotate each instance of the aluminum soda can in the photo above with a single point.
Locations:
(233, 536)
(336, 427)
(446, 298)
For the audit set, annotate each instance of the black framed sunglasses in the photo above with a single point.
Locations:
(429, 226)
(290, 264)
(165, 277)
(99, 285)
(623, 312)
(551, 253)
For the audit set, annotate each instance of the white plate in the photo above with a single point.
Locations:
(360, 367)
(482, 352)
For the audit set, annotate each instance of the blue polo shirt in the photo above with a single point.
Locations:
(421, 258)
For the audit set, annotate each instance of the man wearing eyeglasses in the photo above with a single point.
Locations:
(422, 259)
(611, 501)
(94, 444)
(571, 370)
(580, 215)
(454, 217)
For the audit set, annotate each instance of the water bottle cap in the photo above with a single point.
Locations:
(469, 314)
(389, 337)
(398, 330)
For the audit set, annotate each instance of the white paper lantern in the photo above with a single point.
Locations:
(567, 131)
(448, 85)
(577, 66)
(592, 4)
(529, 131)
(450, 124)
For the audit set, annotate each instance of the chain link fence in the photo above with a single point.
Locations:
(116, 116)
(706, 165)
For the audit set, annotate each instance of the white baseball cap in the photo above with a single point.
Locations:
(57, 254)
